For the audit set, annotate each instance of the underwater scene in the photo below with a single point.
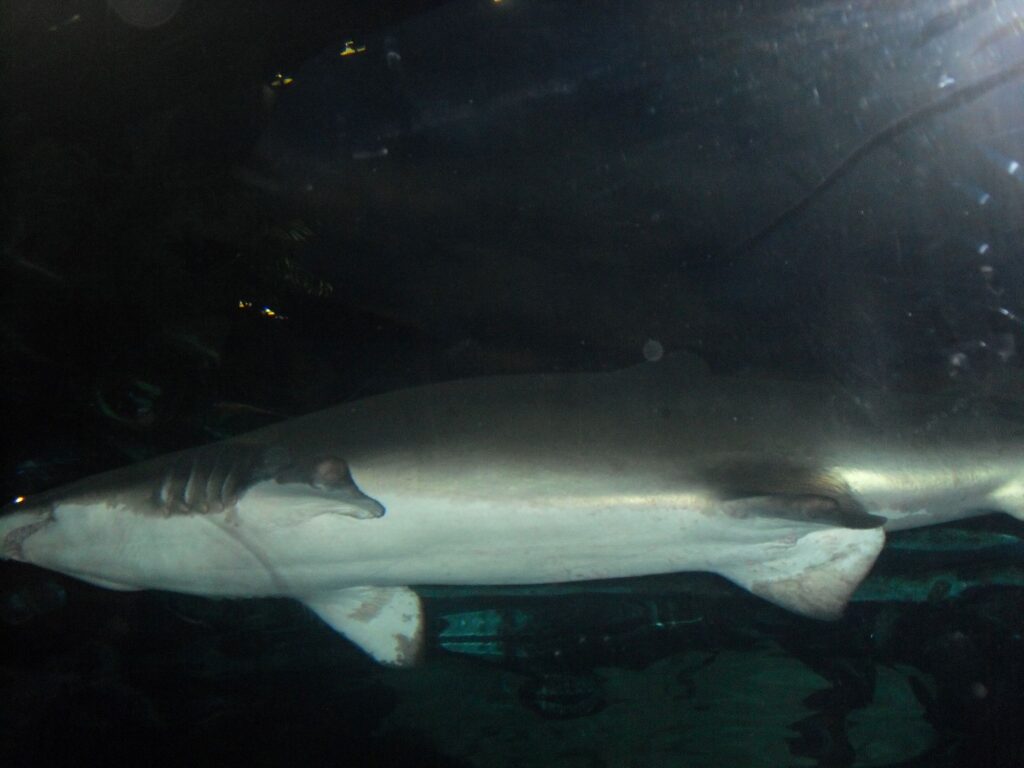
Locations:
(513, 383)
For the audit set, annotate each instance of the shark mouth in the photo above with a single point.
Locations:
(15, 538)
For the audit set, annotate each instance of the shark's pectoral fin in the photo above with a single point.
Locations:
(329, 480)
(217, 478)
(386, 622)
(319, 485)
(816, 574)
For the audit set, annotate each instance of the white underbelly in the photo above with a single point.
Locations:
(471, 540)
(418, 541)
(476, 542)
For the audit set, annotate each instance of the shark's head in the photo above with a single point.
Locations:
(66, 534)
(18, 521)
(132, 527)
(137, 528)
(200, 521)
(116, 541)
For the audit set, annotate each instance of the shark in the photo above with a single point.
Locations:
(785, 488)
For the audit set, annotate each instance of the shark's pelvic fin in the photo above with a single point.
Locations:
(753, 487)
(386, 622)
(214, 478)
(805, 508)
(816, 574)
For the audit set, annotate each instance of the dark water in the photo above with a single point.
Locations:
(214, 220)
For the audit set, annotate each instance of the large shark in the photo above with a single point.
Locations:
(784, 488)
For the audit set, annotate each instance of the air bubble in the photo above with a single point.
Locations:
(653, 351)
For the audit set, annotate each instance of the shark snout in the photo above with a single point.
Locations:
(16, 525)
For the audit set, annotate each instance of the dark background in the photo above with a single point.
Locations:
(193, 248)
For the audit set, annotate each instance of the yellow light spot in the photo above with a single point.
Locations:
(244, 304)
(269, 312)
(281, 81)
(351, 48)
(19, 499)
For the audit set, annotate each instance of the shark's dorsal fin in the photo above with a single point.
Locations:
(386, 622)
(813, 572)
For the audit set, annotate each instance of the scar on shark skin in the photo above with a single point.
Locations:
(366, 611)
(409, 648)
(230, 527)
